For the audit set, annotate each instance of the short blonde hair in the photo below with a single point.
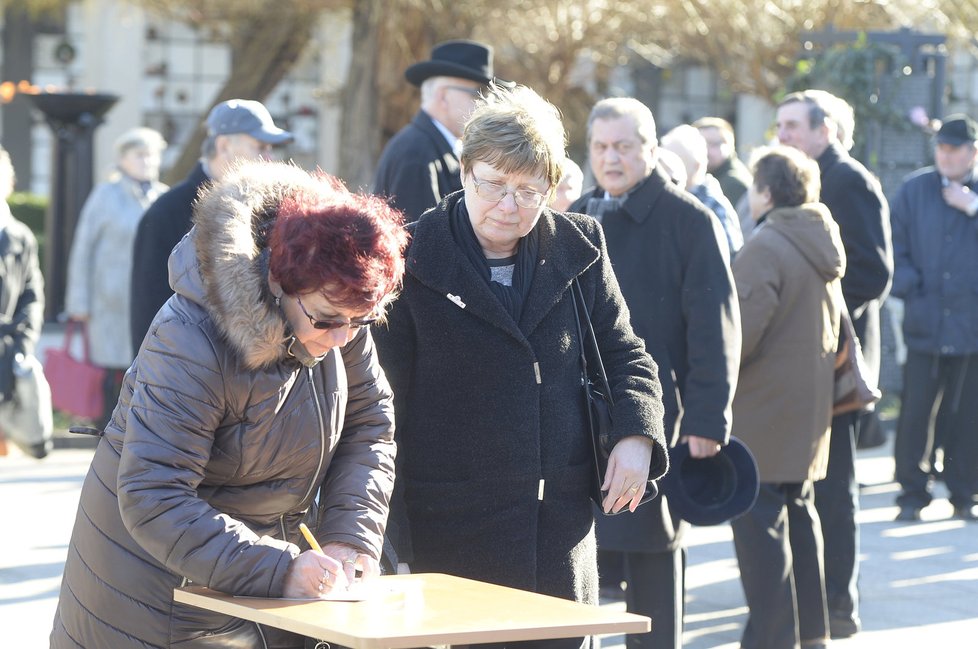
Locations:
(516, 131)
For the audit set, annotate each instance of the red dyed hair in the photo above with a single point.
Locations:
(348, 246)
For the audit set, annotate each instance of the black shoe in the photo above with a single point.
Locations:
(843, 626)
(908, 514)
(965, 513)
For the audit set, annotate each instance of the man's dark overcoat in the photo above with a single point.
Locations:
(161, 228)
(856, 201)
(21, 296)
(669, 254)
(417, 168)
(490, 414)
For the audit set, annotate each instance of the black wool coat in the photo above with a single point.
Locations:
(855, 199)
(417, 168)
(670, 256)
(161, 228)
(490, 413)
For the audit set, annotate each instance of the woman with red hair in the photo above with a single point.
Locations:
(255, 403)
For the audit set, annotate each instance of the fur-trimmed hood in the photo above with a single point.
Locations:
(221, 266)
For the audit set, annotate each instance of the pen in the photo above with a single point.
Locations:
(310, 539)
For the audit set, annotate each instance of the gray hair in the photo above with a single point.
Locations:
(615, 107)
(826, 108)
(208, 148)
(139, 137)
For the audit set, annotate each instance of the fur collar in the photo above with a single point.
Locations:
(231, 219)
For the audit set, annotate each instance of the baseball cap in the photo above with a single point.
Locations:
(245, 116)
(957, 129)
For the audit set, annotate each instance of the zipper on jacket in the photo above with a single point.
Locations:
(322, 435)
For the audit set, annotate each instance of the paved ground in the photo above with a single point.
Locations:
(919, 581)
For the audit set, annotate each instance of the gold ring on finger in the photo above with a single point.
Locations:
(634, 489)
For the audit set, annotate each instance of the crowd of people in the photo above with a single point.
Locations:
(267, 331)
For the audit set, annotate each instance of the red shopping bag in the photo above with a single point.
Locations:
(76, 385)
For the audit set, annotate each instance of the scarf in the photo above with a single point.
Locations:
(527, 251)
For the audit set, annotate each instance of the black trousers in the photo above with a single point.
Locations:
(837, 502)
(779, 550)
(948, 383)
(655, 587)
(111, 386)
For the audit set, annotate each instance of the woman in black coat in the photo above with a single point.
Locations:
(482, 351)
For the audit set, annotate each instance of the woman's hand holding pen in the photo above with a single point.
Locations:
(320, 570)
(313, 574)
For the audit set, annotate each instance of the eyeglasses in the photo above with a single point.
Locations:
(495, 192)
(329, 325)
(472, 92)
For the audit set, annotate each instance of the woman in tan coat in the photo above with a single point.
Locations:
(788, 281)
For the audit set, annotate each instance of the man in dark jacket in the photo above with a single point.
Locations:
(21, 292)
(419, 166)
(935, 246)
(813, 121)
(237, 130)
(670, 256)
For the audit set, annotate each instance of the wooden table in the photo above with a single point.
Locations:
(425, 610)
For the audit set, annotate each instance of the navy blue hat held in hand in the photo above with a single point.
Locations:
(713, 490)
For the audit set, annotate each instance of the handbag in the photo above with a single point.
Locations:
(599, 405)
(27, 417)
(852, 389)
(77, 386)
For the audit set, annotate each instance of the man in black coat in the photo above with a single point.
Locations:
(419, 166)
(21, 291)
(237, 130)
(670, 256)
(817, 123)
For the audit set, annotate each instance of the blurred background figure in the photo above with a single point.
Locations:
(420, 164)
(722, 161)
(789, 286)
(687, 143)
(100, 264)
(21, 293)
(569, 188)
(238, 130)
(821, 125)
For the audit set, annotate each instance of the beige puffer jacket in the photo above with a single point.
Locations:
(219, 445)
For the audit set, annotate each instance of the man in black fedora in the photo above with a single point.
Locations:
(419, 165)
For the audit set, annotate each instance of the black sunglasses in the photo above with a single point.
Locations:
(327, 325)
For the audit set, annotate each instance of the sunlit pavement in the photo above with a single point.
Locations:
(919, 580)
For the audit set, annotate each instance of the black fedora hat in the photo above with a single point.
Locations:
(712, 490)
(463, 59)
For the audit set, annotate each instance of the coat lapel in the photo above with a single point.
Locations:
(436, 261)
(450, 172)
(558, 264)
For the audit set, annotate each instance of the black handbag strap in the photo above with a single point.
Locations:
(581, 313)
